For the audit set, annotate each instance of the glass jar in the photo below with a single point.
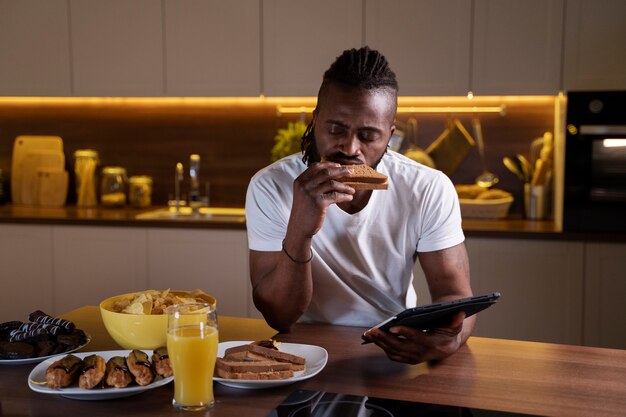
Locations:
(113, 187)
(140, 191)
(85, 163)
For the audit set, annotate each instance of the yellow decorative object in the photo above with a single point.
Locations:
(287, 141)
(140, 331)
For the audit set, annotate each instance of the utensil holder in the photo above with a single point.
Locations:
(535, 201)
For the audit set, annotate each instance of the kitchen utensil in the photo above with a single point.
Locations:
(535, 150)
(414, 152)
(451, 148)
(527, 167)
(22, 146)
(514, 166)
(485, 179)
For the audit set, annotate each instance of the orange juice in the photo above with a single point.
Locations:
(192, 351)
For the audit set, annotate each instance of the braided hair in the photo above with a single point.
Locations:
(360, 69)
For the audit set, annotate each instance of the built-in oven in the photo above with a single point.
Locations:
(595, 162)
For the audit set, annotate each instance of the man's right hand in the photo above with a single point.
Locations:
(313, 191)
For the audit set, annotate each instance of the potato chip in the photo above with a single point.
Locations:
(154, 301)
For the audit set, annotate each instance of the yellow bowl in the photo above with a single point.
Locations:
(139, 331)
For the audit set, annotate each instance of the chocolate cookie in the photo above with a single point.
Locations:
(16, 350)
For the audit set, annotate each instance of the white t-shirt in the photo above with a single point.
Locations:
(362, 263)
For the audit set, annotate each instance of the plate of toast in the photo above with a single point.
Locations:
(100, 375)
(267, 363)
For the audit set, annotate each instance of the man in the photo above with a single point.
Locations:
(320, 251)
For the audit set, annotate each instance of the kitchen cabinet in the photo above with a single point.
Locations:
(215, 261)
(595, 45)
(93, 263)
(541, 283)
(302, 38)
(605, 289)
(427, 43)
(34, 48)
(517, 47)
(212, 48)
(117, 47)
(26, 270)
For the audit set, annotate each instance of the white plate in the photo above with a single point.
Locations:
(42, 358)
(38, 375)
(316, 358)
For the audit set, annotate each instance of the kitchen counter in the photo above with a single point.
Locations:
(504, 375)
(511, 227)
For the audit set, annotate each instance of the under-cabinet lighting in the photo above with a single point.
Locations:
(411, 109)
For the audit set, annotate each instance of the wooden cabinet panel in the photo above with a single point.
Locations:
(605, 289)
(595, 45)
(517, 47)
(215, 261)
(26, 265)
(213, 48)
(302, 38)
(117, 47)
(427, 43)
(541, 284)
(93, 263)
(34, 48)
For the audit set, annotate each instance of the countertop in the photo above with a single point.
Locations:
(511, 227)
(494, 374)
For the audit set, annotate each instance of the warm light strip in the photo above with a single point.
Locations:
(452, 109)
(411, 109)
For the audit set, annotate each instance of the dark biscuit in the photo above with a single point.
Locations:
(16, 350)
(45, 347)
(43, 318)
(76, 338)
(30, 336)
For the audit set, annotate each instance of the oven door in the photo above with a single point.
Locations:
(595, 179)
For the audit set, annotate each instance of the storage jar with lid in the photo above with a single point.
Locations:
(113, 186)
(85, 163)
(140, 190)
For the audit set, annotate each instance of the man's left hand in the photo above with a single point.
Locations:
(408, 345)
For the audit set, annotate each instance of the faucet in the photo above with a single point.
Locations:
(178, 179)
(194, 182)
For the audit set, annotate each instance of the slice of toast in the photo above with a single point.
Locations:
(364, 177)
(252, 369)
(255, 351)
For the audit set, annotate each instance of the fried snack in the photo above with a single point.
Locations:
(161, 363)
(468, 191)
(139, 365)
(63, 372)
(94, 369)
(117, 373)
(153, 302)
(493, 194)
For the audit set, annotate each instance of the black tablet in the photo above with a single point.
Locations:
(438, 314)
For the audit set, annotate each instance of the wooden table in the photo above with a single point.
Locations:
(505, 375)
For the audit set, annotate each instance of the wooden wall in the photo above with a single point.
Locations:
(233, 140)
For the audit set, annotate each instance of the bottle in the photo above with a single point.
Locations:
(85, 163)
(140, 191)
(113, 187)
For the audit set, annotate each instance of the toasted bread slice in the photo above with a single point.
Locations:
(364, 177)
(297, 362)
(257, 376)
(251, 366)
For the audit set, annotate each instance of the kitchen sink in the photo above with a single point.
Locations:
(202, 213)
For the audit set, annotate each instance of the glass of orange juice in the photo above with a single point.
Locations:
(192, 348)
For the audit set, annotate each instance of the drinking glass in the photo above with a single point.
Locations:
(192, 339)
